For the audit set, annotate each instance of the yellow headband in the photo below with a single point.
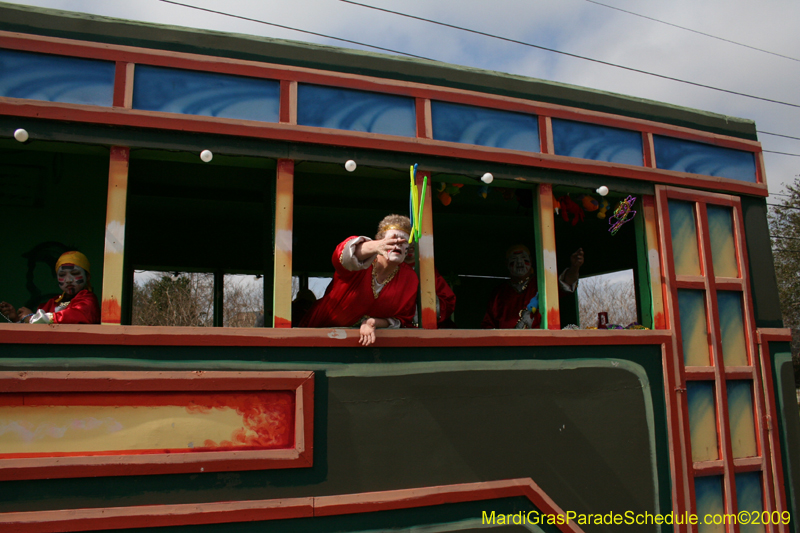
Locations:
(398, 227)
(517, 248)
(75, 258)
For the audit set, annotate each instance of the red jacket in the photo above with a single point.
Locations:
(82, 309)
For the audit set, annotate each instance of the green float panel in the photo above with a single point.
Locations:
(684, 238)
(731, 323)
(694, 327)
(723, 250)
(740, 414)
(749, 498)
(702, 421)
(708, 494)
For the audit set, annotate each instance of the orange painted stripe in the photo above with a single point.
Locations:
(284, 220)
(546, 135)
(654, 262)
(648, 150)
(288, 102)
(548, 250)
(427, 275)
(114, 255)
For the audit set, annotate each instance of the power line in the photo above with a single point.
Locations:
(294, 29)
(775, 134)
(495, 37)
(523, 43)
(781, 153)
(694, 31)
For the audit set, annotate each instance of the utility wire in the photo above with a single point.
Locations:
(631, 69)
(784, 206)
(487, 35)
(694, 31)
(777, 134)
(781, 153)
(294, 29)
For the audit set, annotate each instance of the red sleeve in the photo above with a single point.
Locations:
(447, 298)
(82, 309)
(336, 259)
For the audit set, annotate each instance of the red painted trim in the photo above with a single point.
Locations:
(765, 336)
(715, 342)
(150, 381)
(120, 77)
(285, 105)
(761, 169)
(307, 134)
(747, 464)
(546, 145)
(678, 465)
(265, 510)
(154, 462)
(684, 484)
(699, 373)
(727, 465)
(151, 516)
(180, 336)
(709, 468)
(423, 117)
(648, 150)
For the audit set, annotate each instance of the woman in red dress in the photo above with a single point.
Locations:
(372, 287)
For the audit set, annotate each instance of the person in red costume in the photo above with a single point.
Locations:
(372, 287)
(509, 302)
(445, 298)
(76, 305)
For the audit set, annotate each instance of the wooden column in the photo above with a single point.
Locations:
(114, 255)
(653, 262)
(427, 275)
(282, 281)
(547, 269)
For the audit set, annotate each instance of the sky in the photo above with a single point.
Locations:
(579, 27)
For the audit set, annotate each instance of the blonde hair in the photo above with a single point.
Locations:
(390, 222)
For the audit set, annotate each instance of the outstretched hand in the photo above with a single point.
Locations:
(367, 332)
(572, 274)
(576, 259)
(380, 247)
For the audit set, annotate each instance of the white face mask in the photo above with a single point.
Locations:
(411, 256)
(519, 264)
(71, 278)
(398, 253)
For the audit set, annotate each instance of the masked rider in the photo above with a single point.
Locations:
(514, 304)
(77, 303)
